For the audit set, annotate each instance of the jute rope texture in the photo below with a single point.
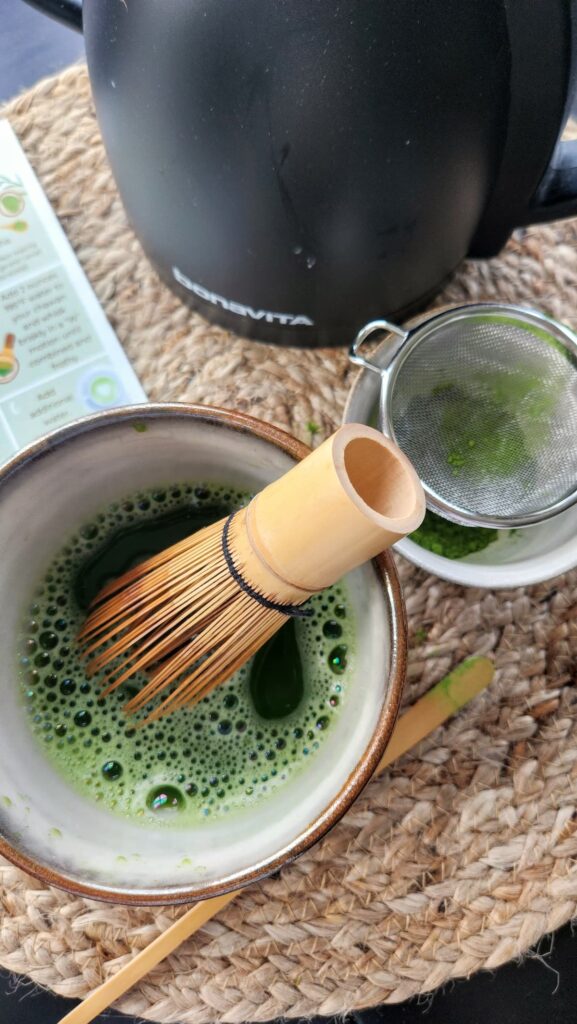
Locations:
(460, 857)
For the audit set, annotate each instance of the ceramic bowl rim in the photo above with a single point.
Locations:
(370, 758)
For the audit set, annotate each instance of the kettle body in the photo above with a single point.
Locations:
(294, 168)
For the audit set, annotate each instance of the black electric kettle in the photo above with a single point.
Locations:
(294, 168)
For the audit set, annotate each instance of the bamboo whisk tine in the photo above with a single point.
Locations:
(192, 615)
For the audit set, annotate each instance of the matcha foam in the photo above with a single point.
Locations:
(235, 747)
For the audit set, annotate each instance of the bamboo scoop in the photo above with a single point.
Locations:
(439, 704)
(192, 615)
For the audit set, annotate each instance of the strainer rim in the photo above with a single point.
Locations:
(527, 314)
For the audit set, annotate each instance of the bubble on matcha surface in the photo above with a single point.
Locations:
(338, 659)
(232, 749)
(163, 799)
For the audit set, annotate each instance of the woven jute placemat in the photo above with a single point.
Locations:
(463, 854)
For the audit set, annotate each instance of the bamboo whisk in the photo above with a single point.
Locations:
(192, 615)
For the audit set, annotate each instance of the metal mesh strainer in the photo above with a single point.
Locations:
(483, 400)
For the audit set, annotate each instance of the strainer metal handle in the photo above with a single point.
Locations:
(377, 327)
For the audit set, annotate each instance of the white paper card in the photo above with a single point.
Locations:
(59, 357)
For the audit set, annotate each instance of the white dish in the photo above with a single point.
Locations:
(517, 558)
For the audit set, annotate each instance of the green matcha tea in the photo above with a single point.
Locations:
(235, 747)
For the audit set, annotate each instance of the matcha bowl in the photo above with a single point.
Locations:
(59, 827)
(503, 558)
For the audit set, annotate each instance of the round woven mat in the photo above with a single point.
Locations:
(465, 852)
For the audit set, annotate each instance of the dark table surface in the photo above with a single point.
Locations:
(544, 985)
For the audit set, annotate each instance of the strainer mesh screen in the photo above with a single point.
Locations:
(486, 408)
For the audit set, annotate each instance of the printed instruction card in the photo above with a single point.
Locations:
(59, 357)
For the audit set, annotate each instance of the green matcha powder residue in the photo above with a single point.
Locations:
(450, 539)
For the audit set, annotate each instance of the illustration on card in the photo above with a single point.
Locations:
(9, 364)
(12, 205)
(101, 388)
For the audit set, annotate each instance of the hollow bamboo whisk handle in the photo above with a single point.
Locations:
(350, 499)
